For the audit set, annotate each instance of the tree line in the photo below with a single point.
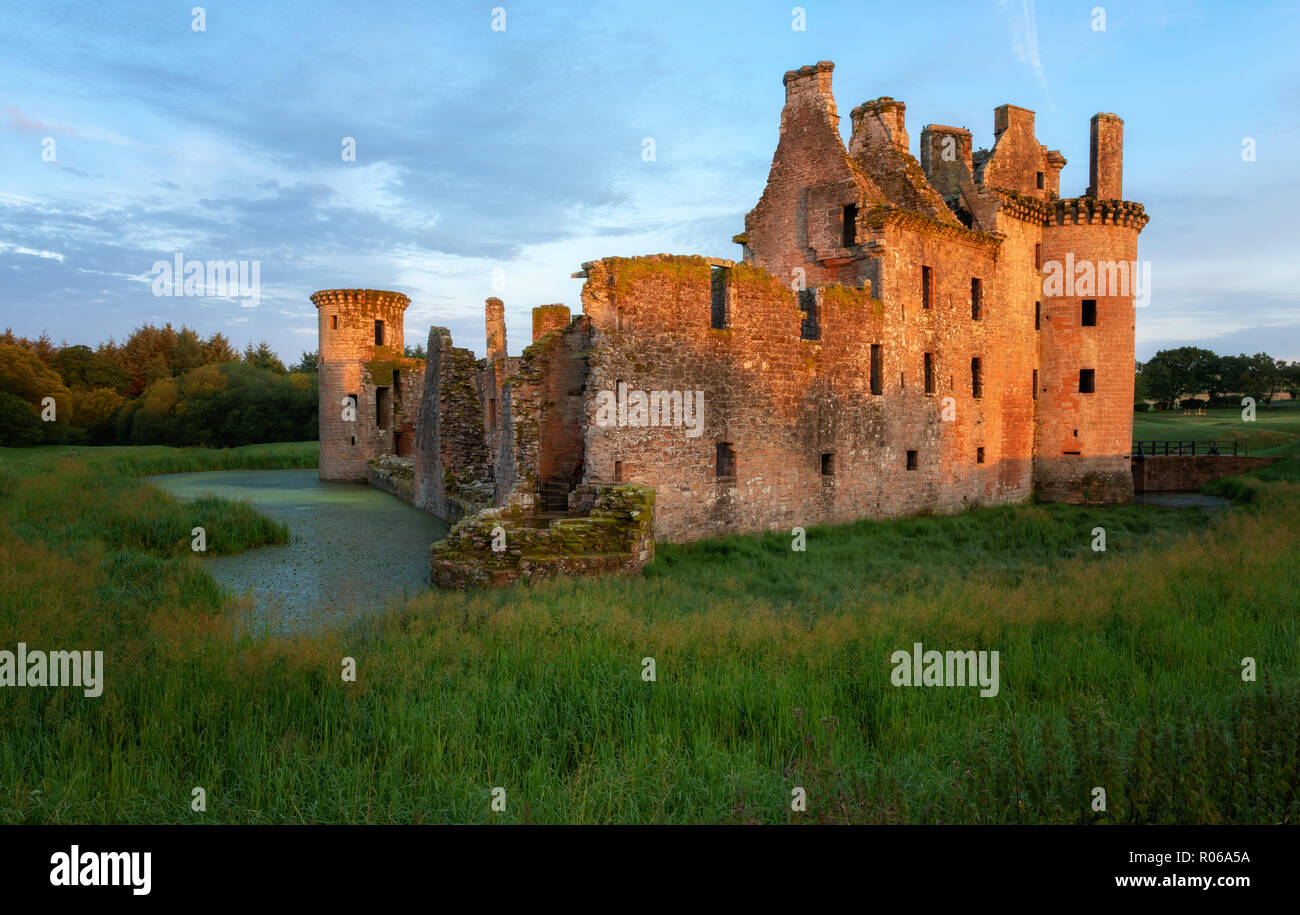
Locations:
(1173, 377)
(162, 386)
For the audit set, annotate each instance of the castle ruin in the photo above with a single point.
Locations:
(884, 346)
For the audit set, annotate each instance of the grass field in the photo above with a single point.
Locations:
(1119, 670)
(1273, 432)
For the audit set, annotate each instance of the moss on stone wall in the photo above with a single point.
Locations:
(380, 369)
(617, 536)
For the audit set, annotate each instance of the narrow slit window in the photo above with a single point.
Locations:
(911, 460)
(976, 299)
(1089, 313)
(1038, 257)
(979, 455)
(718, 298)
(618, 471)
(809, 328)
(1035, 384)
(334, 322)
(828, 464)
(1040, 181)
(976, 377)
(929, 373)
(877, 369)
(927, 287)
(726, 461)
(1087, 381)
(379, 333)
(1038, 316)
(850, 225)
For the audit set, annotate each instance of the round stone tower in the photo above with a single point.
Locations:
(356, 326)
(1092, 281)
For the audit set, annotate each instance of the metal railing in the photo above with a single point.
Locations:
(1170, 447)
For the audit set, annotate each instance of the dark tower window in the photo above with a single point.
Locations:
(1040, 181)
(850, 225)
(1038, 315)
(1089, 313)
(1035, 384)
(976, 299)
(726, 461)
(929, 373)
(979, 455)
(1087, 381)
(927, 287)
(976, 377)
(911, 460)
(718, 297)
(1038, 257)
(828, 464)
(618, 471)
(877, 367)
(383, 406)
(379, 333)
(334, 322)
(809, 329)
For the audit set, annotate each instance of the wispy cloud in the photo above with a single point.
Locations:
(1023, 24)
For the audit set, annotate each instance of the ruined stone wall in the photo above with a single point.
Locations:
(545, 402)
(547, 318)
(1187, 473)
(782, 402)
(461, 433)
(451, 461)
(616, 537)
(428, 487)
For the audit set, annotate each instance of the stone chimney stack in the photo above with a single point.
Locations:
(1106, 157)
(810, 86)
(880, 122)
(946, 157)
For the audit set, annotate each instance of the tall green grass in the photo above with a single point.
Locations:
(1119, 669)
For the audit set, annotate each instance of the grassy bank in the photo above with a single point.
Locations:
(1119, 669)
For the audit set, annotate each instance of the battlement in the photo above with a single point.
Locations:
(361, 299)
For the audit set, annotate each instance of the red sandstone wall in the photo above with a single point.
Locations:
(783, 401)
(1187, 473)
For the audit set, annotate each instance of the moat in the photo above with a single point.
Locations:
(352, 550)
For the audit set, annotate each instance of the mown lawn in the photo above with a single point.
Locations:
(1119, 670)
(1272, 432)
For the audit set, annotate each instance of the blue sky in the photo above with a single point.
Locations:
(517, 154)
